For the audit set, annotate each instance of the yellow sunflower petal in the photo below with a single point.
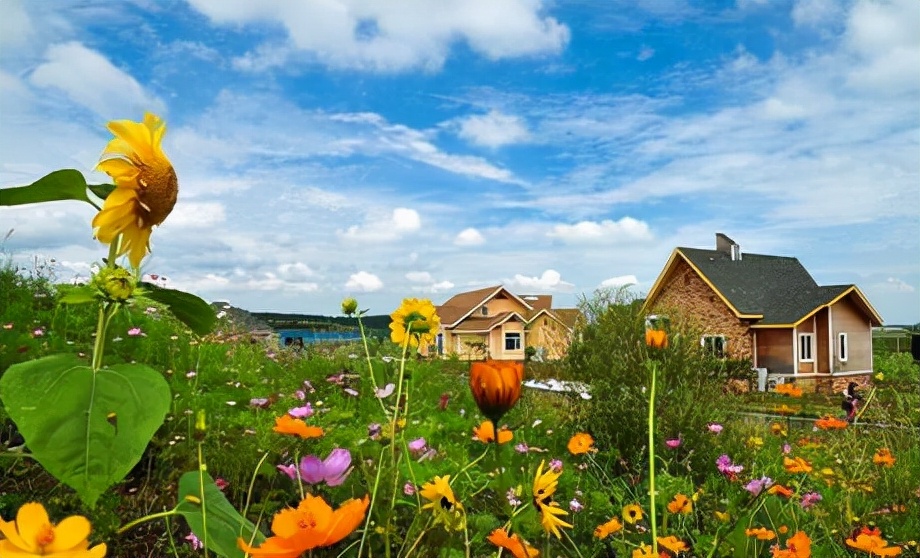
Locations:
(118, 169)
(136, 135)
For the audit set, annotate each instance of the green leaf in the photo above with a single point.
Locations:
(66, 184)
(101, 190)
(79, 295)
(87, 429)
(224, 523)
(187, 308)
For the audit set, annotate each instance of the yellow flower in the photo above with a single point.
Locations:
(754, 442)
(632, 513)
(514, 544)
(313, 524)
(680, 504)
(349, 306)
(777, 429)
(146, 186)
(417, 318)
(33, 534)
(580, 443)
(544, 484)
(724, 517)
(796, 465)
(442, 503)
(644, 551)
(612, 527)
(550, 518)
(673, 544)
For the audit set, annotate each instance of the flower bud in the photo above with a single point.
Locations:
(115, 283)
(349, 306)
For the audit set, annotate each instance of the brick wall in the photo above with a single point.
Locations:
(685, 294)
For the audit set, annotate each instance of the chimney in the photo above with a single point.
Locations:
(729, 246)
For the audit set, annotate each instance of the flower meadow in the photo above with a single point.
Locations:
(136, 421)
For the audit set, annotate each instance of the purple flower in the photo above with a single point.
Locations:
(221, 484)
(338, 379)
(260, 402)
(385, 391)
(786, 449)
(135, 331)
(301, 412)
(512, 498)
(300, 394)
(333, 470)
(555, 465)
(673, 443)
(351, 392)
(756, 486)
(521, 448)
(726, 467)
(408, 489)
(38, 332)
(417, 446)
(311, 469)
(715, 427)
(576, 506)
(810, 499)
(373, 430)
(194, 541)
(289, 470)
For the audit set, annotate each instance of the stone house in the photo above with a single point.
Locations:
(770, 310)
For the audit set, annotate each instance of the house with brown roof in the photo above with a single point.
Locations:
(770, 310)
(495, 323)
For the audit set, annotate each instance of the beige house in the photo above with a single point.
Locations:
(495, 323)
(770, 310)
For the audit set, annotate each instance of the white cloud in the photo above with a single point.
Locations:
(493, 129)
(406, 220)
(626, 229)
(297, 271)
(469, 237)
(645, 53)
(419, 277)
(816, 13)
(378, 228)
(110, 92)
(897, 285)
(364, 282)
(619, 281)
(551, 280)
(433, 288)
(393, 36)
(15, 24)
(195, 215)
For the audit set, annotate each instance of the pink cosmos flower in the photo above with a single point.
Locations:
(135, 331)
(373, 430)
(521, 448)
(221, 483)
(38, 332)
(333, 470)
(810, 499)
(417, 446)
(260, 402)
(300, 395)
(576, 506)
(351, 392)
(726, 467)
(756, 486)
(555, 465)
(301, 412)
(715, 427)
(408, 489)
(786, 449)
(289, 470)
(673, 443)
(385, 391)
(194, 541)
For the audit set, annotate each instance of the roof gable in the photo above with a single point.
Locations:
(461, 305)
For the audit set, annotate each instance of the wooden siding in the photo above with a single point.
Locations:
(822, 344)
(847, 318)
(686, 293)
(549, 335)
(774, 350)
(500, 304)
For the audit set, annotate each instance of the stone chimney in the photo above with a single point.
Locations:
(729, 246)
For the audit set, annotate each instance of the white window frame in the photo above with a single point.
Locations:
(843, 347)
(484, 310)
(806, 347)
(514, 335)
(708, 342)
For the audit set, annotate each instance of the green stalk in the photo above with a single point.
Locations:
(204, 515)
(367, 519)
(651, 459)
(370, 366)
(139, 520)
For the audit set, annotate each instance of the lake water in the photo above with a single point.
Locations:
(310, 336)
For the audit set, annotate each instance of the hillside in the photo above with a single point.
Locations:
(276, 320)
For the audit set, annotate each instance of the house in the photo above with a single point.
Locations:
(495, 323)
(770, 310)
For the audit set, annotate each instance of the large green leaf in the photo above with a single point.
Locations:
(187, 308)
(66, 184)
(87, 429)
(224, 523)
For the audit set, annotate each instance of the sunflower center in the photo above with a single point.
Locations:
(45, 536)
(158, 192)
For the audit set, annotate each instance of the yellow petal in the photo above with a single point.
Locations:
(118, 168)
(136, 135)
(31, 521)
(8, 529)
(69, 533)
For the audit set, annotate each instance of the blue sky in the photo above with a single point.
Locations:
(419, 148)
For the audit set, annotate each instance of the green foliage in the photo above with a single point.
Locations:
(66, 184)
(187, 308)
(212, 518)
(87, 428)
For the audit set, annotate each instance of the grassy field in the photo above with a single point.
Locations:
(727, 483)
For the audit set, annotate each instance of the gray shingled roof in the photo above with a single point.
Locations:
(777, 287)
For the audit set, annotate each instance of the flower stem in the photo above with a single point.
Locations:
(139, 520)
(370, 366)
(204, 515)
(651, 458)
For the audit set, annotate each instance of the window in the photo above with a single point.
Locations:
(513, 341)
(714, 345)
(484, 310)
(806, 342)
(843, 349)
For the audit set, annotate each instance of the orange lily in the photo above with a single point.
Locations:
(496, 386)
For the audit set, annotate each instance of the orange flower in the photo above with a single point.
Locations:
(673, 544)
(874, 545)
(680, 504)
(831, 423)
(798, 546)
(517, 546)
(286, 424)
(780, 490)
(884, 458)
(797, 465)
(33, 534)
(496, 386)
(656, 338)
(762, 533)
(485, 433)
(612, 527)
(789, 389)
(580, 443)
(312, 525)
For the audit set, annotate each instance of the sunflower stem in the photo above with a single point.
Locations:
(653, 366)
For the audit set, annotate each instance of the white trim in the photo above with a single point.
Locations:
(811, 346)
(754, 349)
(830, 338)
(795, 351)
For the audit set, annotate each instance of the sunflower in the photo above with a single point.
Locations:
(146, 186)
(544, 484)
(485, 433)
(312, 524)
(415, 317)
(33, 534)
(612, 527)
(580, 443)
(632, 514)
(442, 503)
(550, 518)
(514, 544)
(680, 504)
